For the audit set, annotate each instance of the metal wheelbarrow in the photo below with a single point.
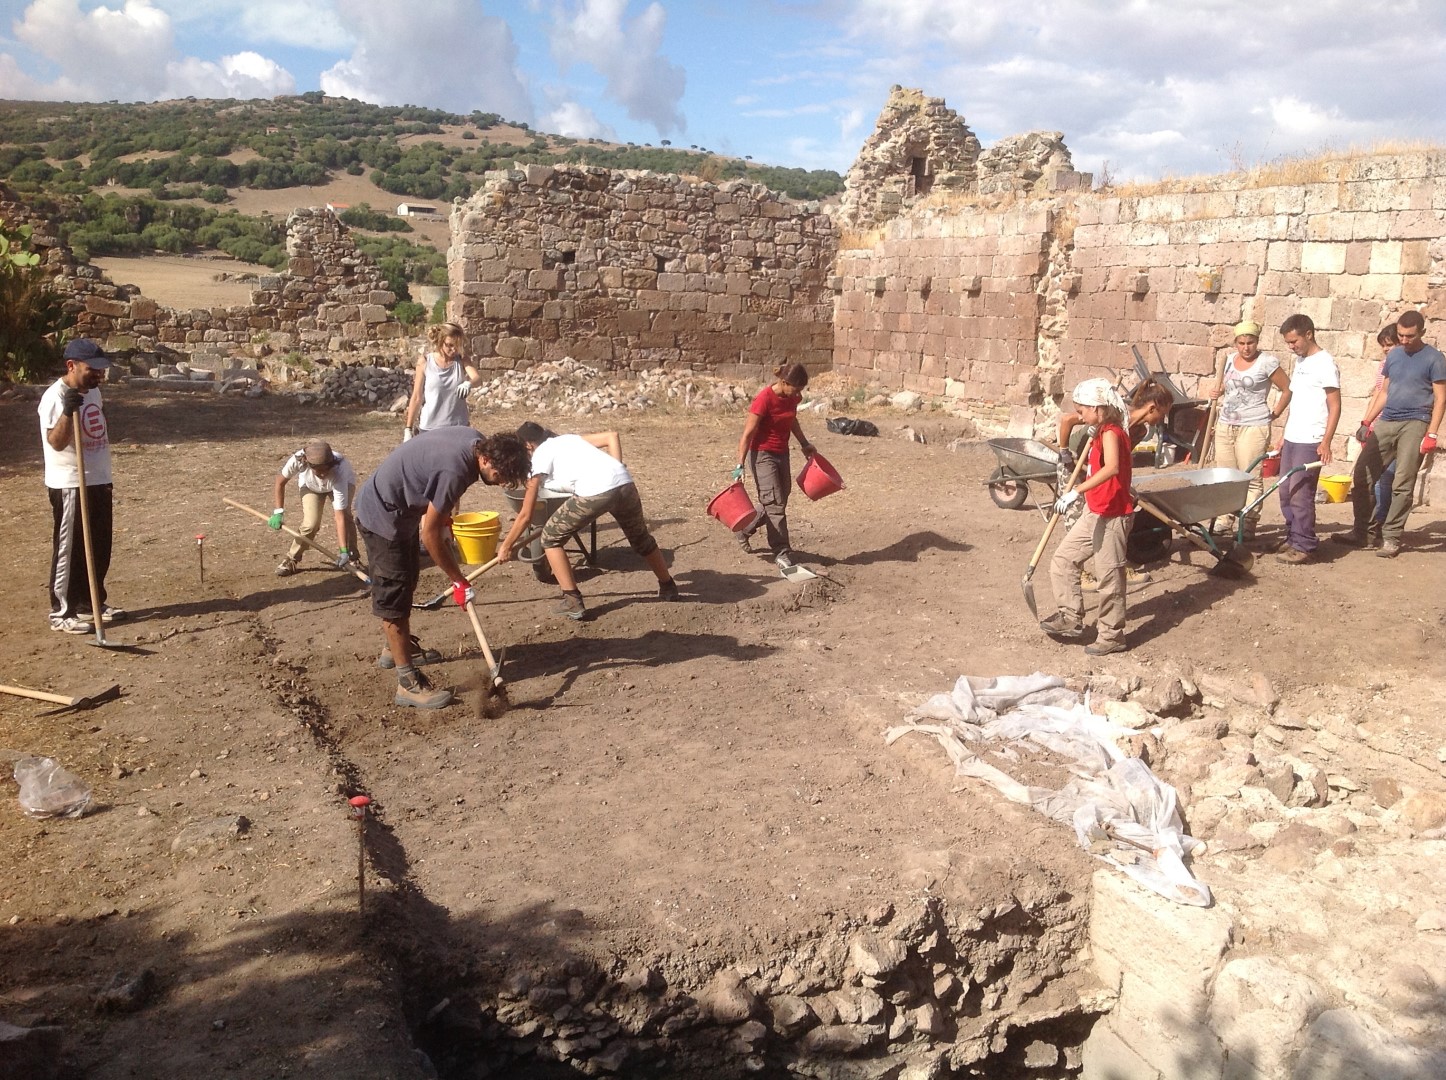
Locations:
(1189, 500)
(1021, 461)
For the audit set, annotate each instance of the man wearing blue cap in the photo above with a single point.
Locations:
(72, 404)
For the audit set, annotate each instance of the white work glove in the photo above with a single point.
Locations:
(463, 391)
(1065, 501)
(407, 433)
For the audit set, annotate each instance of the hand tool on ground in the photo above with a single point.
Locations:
(308, 541)
(359, 804)
(797, 573)
(1028, 583)
(81, 701)
(96, 608)
(494, 690)
(437, 601)
(201, 554)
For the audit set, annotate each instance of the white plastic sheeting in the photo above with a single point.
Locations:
(1120, 811)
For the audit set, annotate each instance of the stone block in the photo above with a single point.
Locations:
(611, 277)
(549, 280)
(372, 313)
(1260, 1010)
(1169, 1028)
(1108, 1057)
(1343, 1044)
(1323, 258)
(1385, 257)
(1172, 947)
(114, 309)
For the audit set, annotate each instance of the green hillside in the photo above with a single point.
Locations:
(191, 158)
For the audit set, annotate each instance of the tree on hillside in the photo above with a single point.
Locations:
(31, 316)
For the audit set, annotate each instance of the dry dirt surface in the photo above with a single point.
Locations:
(682, 784)
(183, 283)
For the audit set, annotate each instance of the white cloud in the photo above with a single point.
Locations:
(245, 75)
(443, 53)
(645, 83)
(1157, 86)
(576, 122)
(312, 24)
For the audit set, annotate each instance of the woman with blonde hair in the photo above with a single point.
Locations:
(1242, 434)
(441, 383)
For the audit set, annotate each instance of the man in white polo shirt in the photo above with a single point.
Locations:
(72, 403)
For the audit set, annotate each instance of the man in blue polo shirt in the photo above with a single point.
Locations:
(1410, 403)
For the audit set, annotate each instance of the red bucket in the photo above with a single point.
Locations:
(733, 507)
(819, 478)
(1270, 466)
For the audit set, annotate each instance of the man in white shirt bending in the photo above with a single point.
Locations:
(587, 468)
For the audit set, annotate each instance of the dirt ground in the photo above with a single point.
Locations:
(688, 783)
(184, 283)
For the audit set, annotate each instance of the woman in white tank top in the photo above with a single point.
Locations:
(442, 381)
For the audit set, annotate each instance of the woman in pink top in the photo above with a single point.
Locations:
(772, 419)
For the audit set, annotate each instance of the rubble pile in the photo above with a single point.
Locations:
(363, 384)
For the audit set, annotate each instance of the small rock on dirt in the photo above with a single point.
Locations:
(1385, 791)
(1041, 1055)
(907, 400)
(874, 954)
(1431, 921)
(1130, 714)
(790, 1014)
(1424, 810)
(726, 999)
(842, 1039)
(32, 1052)
(126, 994)
(210, 833)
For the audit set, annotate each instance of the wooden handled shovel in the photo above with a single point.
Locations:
(437, 601)
(1028, 583)
(308, 541)
(82, 701)
(494, 691)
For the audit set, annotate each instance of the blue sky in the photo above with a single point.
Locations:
(1144, 87)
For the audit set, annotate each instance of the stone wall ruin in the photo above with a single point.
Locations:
(331, 297)
(634, 270)
(1003, 310)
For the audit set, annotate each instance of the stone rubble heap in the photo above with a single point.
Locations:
(363, 384)
(1327, 943)
(918, 992)
(1026, 164)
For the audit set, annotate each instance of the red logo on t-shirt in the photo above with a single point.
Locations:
(92, 422)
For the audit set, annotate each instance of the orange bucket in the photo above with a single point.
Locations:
(732, 506)
(1270, 466)
(819, 478)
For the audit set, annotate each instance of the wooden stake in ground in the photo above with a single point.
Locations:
(359, 804)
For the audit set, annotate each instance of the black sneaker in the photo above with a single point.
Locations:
(420, 656)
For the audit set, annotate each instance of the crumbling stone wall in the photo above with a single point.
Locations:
(918, 144)
(330, 297)
(950, 305)
(1034, 163)
(1083, 276)
(635, 270)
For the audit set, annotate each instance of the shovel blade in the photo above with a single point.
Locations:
(1028, 585)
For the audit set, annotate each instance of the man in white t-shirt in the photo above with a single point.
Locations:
(319, 471)
(587, 468)
(69, 405)
(1310, 425)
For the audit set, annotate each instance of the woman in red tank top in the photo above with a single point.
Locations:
(1102, 530)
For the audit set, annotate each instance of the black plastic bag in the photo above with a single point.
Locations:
(843, 425)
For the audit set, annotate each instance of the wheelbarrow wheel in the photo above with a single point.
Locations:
(1009, 494)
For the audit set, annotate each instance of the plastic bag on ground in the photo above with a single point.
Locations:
(47, 790)
(1113, 799)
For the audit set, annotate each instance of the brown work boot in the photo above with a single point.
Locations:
(1293, 556)
(1351, 539)
(1389, 549)
(1062, 625)
(572, 606)
(416, 691)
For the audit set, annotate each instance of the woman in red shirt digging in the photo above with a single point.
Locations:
(772, 418)
(1101, 531)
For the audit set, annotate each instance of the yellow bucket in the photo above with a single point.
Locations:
(1336, 488)
(476, 535)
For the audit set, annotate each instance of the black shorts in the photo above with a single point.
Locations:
(394, 566)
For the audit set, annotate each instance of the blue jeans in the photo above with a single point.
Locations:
(1297, 495)
(1383, 493)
